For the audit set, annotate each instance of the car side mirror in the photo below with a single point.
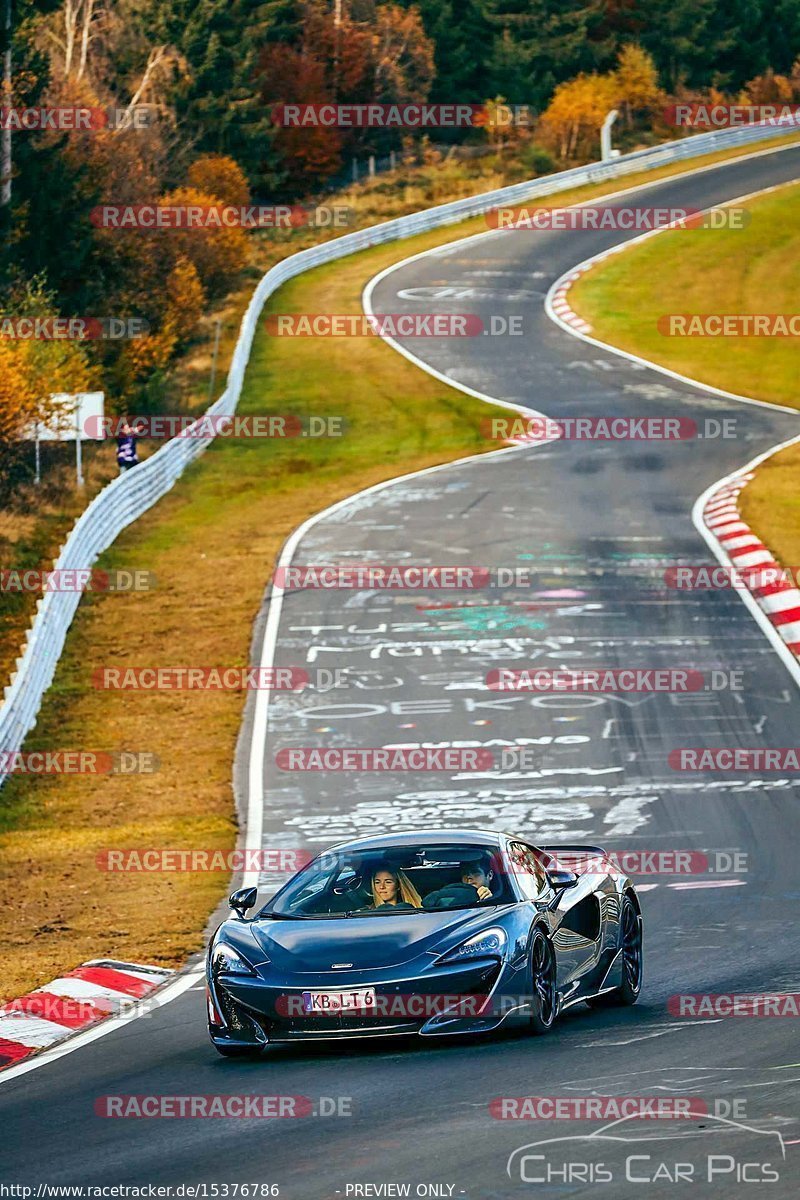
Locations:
(242, 900)
(562, 878)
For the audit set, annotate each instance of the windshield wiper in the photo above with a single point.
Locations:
(279, 916)
(379, 912)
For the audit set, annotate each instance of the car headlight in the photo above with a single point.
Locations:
(225, 960)
(491, 943)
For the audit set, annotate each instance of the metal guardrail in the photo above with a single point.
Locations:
(132, 494)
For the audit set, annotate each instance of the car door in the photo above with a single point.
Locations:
(575, 922)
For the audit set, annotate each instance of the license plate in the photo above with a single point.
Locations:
(320, 1003)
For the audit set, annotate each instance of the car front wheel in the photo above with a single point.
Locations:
(544, 1008)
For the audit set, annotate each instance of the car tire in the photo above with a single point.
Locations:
(544, 1008)
(629, 990)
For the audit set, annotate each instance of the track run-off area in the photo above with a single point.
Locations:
(597, 524)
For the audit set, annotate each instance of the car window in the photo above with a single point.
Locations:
(422, 877)
(527, 870)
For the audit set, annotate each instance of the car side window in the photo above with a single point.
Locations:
(528, 870)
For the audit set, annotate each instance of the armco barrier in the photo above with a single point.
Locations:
(135, 492)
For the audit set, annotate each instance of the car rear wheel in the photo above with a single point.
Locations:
(632, 960)
(544, 1008)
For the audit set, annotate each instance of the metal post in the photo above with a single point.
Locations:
(355, 170)
(5, 101)
(372, 166)
(78, 447)
(213, 379)
(605, 135)
(337, 23)
(392, 160)
(37, 457)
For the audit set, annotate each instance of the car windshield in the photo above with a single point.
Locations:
(394, 879)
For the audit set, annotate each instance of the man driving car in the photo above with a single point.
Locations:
(476, 872)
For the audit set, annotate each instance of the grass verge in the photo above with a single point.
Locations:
(211, 543)
(683, 271)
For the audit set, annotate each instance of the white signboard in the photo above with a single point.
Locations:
(69, 424)
(73, 413)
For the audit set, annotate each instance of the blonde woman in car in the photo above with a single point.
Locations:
(392, 888)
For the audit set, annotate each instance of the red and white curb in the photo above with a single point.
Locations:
(777, 598)
(81, 998)
(561, 307)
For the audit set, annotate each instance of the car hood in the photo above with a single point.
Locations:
(361, 942)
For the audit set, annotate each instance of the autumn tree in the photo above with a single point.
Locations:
(636, 81)
(33, 370)
(185, 298)
(572, 119)
(382, 54)
(311, 154)
(771, 88)
(218, 254)
(18, 399)
(401, 54)
(219, 175)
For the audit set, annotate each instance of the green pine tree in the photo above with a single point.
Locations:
(543, 42)
(218, 108)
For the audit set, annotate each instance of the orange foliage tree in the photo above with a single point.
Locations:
(219, 175)
(637, 81)
(217, 253)
(571, 122)
(18, 399)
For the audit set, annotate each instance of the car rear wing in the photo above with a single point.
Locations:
(578, 858)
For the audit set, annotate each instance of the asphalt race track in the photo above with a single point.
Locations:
(597, 524)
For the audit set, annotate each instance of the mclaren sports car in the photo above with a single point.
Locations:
(428, 933)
